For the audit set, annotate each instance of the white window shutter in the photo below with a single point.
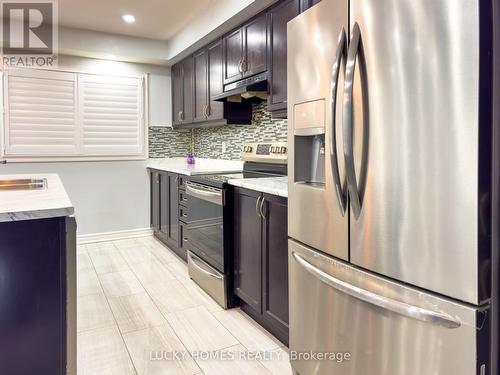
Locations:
(111, 115)
(40, 113)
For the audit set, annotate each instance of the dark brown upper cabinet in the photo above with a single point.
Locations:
(215, 109)
(278, 17)
(245, 50)
(200, 85)
(195, 81)
(182, 90)
(306, 4)
(207, 83)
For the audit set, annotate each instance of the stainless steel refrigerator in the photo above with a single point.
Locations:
(390, 187)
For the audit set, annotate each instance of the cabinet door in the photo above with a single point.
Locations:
(33, 302)
(306, 4)
(275, 264)
(164, 206)
(255, 42)
(173, 210)
(188, 90)
(277, 60)
(247, 248)
(177, 94)
(200, 86)
(233, 56)
(215, 77)
(155, 200)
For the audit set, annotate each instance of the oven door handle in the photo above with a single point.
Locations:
(194, 261)
(211, 195)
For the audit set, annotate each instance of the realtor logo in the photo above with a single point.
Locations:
(29, 33)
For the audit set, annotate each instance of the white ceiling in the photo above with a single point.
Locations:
(155, 19)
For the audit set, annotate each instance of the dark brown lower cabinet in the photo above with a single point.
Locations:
(165, 210)
(261, 259)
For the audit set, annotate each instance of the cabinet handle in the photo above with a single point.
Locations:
(244, 65)
(180, 115)
(261, 208)
(208, 110)
(257, 206)
(240, 66)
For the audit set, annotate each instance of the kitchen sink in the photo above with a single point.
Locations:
(23, 184)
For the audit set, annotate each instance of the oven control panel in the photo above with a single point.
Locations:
(265, 152)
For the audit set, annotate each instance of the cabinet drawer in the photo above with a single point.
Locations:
(183, 214)
(183, 240)
(182, 181)
(182, 197)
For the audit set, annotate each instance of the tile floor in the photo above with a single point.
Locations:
(139, 313)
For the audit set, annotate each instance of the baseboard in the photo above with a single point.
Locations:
(112, 236)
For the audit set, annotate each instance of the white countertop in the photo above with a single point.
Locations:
(271, 185)
(35, 204)
(201, 166)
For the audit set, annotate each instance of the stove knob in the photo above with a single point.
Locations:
(283, 150)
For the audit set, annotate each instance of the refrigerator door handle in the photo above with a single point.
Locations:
(401, 308)
(337, 65)
(347, 121)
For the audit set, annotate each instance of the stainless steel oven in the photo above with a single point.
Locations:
(205, 239)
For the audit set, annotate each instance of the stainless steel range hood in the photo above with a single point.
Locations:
(252, 89)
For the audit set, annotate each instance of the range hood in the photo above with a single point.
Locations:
(252, 89)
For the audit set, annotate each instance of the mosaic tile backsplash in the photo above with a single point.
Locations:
(167, 143)
(207, 142)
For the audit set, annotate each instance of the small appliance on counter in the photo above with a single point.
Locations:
(208, 234)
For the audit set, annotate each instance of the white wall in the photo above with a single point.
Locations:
(219, 18)
(108, 196)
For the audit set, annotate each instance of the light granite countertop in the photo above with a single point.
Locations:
(201, 166)
(271, 185)
(52, 201)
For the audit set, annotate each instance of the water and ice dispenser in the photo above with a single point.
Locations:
(309, 143)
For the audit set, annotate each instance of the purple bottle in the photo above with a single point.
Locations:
(190, 158)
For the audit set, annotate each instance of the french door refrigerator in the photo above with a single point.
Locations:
(390, 185)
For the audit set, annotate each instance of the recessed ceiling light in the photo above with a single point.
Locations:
(128, 18)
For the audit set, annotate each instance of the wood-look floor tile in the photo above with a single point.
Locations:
(180, 271)
(83, 262)
(88, 283)
(135, 312)
(134, 255)
(164, 254)
(151, 351)
(93, 312)
(101, 248)
(278, 362)
(231, 362)
(108, 262)
(200, 331)
(246, 330)
(204, 299)
(171, 297)
(103, 352)
(127, 243)
(81, 248)
(152, 273)
(119, 284)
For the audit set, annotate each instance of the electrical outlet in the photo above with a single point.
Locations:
(223, 147)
